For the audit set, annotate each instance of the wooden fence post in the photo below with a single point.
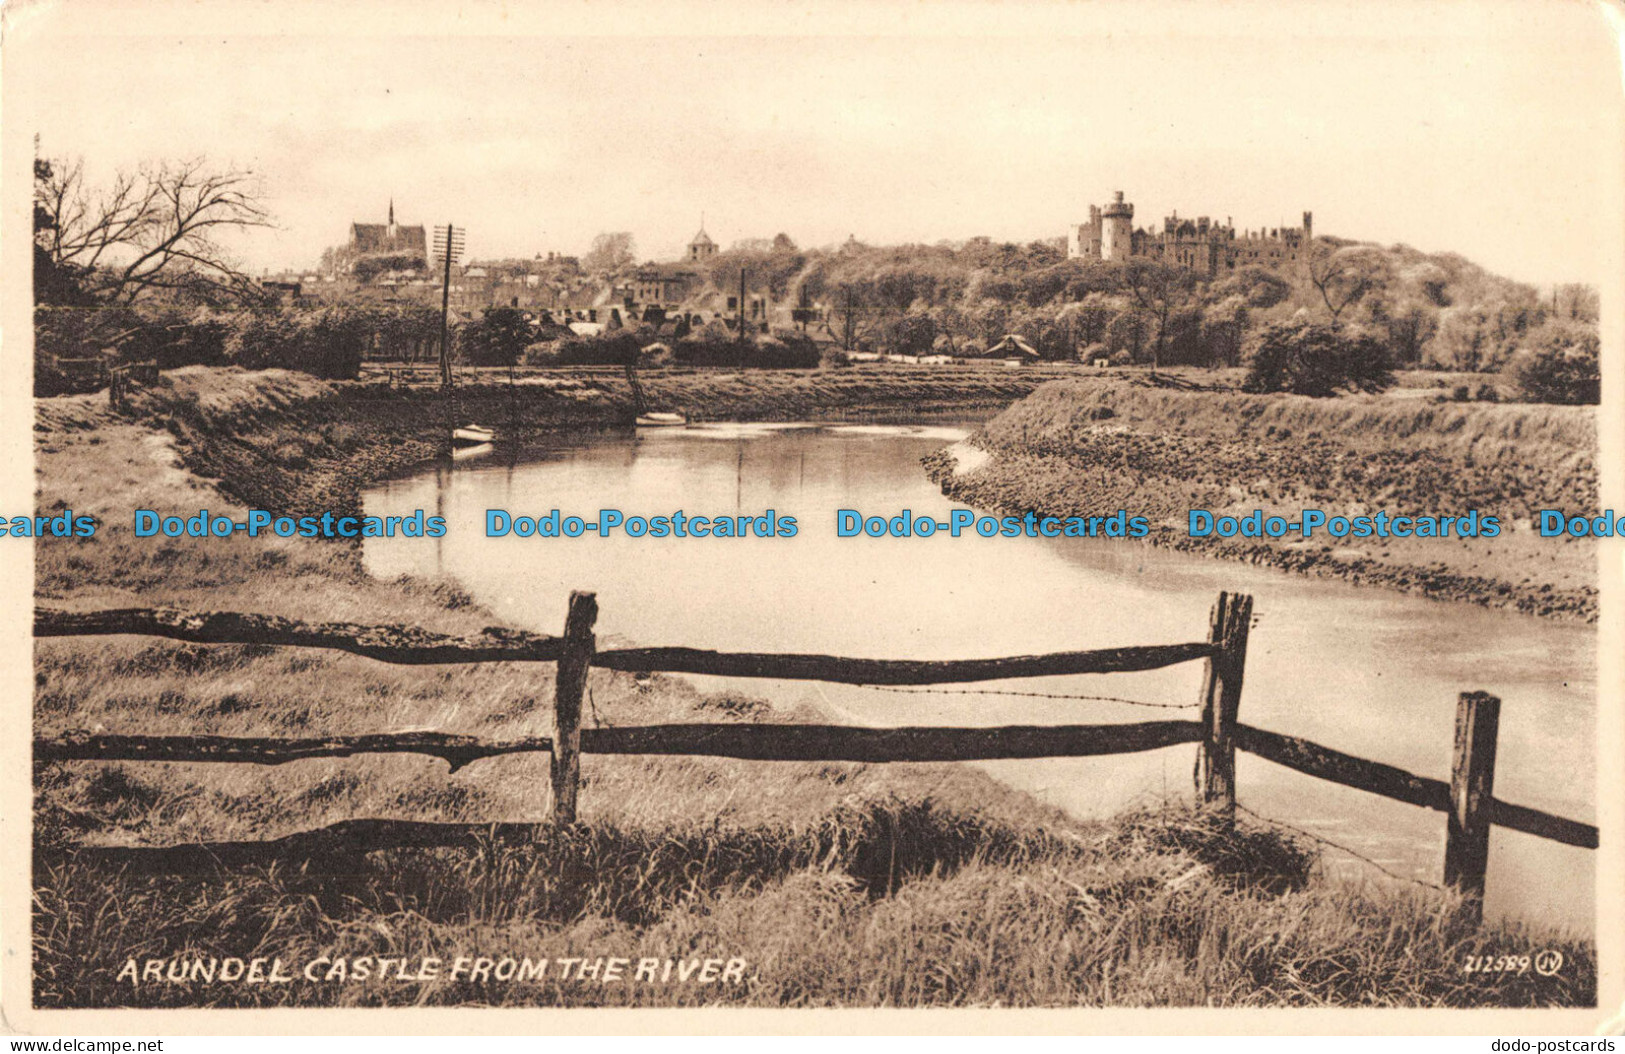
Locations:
(1472, 782)
(569, 684)
(1221, 701)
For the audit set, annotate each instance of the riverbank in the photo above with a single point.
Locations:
(838, 884)
(1087, 447)
(277, 439)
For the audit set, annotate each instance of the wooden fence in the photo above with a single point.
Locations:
(1467, 799)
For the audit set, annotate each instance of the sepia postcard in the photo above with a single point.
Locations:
(1023, 517)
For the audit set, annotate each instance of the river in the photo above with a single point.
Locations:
(1362, 670)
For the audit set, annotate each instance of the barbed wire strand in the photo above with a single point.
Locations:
(1030, 695)
(592, 707)
(1341, 848)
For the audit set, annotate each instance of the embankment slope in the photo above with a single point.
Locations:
(1098, 445)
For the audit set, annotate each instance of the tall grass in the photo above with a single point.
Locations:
(879, 902)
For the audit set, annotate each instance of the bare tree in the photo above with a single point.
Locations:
(1344, 275)
(855, 313)
(1575, 301)
(152, 229)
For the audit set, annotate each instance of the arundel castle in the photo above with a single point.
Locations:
(1202, 245)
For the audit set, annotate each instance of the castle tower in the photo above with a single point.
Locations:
(1308, 227)
(1117, 229)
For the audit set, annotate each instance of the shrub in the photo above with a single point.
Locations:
(1182, 339)
(1559, 364)
(497, 339)
(326, 342)
(1479, 336)
(1258, 286)
(911, 335)
(258, 340)
(1129, 331)
(657, 353)
(371, 265)
(1095, 352)
(543, 353)
(336, 338)
(1313, 358)
(1121, 358)
(798, 354)
(616, 349)
(196, 340)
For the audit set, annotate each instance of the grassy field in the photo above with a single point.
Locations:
(838, 884)
(1090, 445)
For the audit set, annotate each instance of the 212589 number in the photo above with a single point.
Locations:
(1497, 964)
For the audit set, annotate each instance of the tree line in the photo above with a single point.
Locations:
(1382, 308)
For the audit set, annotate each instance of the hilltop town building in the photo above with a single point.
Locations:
(662, 284)
(1202, 245)
(669, 284)
(366, 238)
(702, 247)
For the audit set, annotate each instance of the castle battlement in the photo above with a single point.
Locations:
(1202, 244)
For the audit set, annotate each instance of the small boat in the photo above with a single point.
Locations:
(472, 435)
(659, 419)
(645, 417)
(469, 453)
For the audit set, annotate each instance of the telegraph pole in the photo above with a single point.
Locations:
(445, 304)
(449, 244)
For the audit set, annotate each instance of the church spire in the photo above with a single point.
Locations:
(392, 211)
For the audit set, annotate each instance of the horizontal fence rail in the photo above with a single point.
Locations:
(253, 750)
(898, 671)
(406, 645)
(1376, 778)
(1543, 824)
(409, 645)
(1466, 799)
(746, 741)
(1324, 763)
(826, 743)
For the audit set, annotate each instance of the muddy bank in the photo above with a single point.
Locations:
(1075, 449)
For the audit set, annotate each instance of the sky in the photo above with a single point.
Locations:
(1489, 129)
